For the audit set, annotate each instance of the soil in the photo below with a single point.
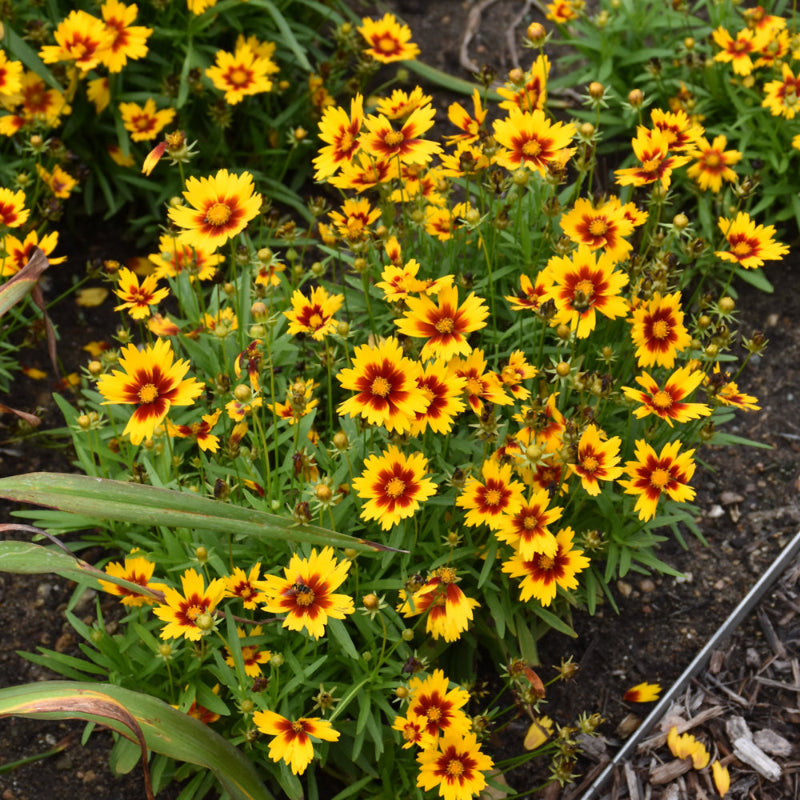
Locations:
(747, 499)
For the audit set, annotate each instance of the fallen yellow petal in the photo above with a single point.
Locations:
(91, 297)
(722, 778)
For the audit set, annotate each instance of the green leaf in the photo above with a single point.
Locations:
(755, 277)
(553, 621)
(105, 499)
(165, 730)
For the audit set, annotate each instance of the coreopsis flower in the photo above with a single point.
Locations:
(388, 39)
(531, 93)
(782, 97)
(581, 286)
(382, 141)
(199, 431)
(448, 609)
(596, 459)
(443, 391)
(16, 253)
(531, 295)
(98, 92)
(292, 743)
(642, 693)
(12, 208)
(10, 76)
(353, 221)
(561, 11)
(305, 593)
(418, 183)
(242, 584)
(489, 500)
(528, 529)
(150, 381)
(727, 392)
(138, 297)
(59, 182)
(386, 386)
(750, 244)
(531, 140)
(126, 41)
(713, 164)
(444, 324)
(176, 255)
(738, 51)
(360, 174)
(516, 370)
(470, 125)
(481, 386)
(189, 614)
(160, 325)
(340, 131)
(252, 656)
(136, 569)
(313, 315)
(414, 732)
(393, 484)
(598, 227)
(401, 103)
(651, 148)
(653, 475)
(542, 575)
(684, 745)
(401, 279)
(198, 7)
(440, 222)
(36, 104)
(668, 403)
(658, 331)
(222, 322)
(145, 122)
(437, 706)
(456, 766)
(722, 778)
(240, 74)
(682, 133)
(81, 39)
(298, 401)
(218, 209)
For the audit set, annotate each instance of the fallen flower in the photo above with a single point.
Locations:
(642, 693)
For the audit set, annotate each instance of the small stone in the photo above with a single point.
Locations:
(752, 658)
(647, 585)
(89, 776)
(687, 577)
(64, 642)
(716, 511)
(729, 498)
(8, 795)
(624, 588)
(719, 585)
(772, 320)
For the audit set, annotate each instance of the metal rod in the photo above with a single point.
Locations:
(731, 623)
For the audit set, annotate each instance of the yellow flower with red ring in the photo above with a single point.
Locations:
(313, 315)
(340, 131)
(457, 766)
(596, 459)
(667, 403)
(658, 331)
(443, 391)
(16, 253)
(530, 140)
(599, 227)
(388, 39)
(383, 142)
(240, 74)
(651, 148)
(750, 244)
(489, 500)
(292, 742)
(126, 41)
(528, 529)
(437, 706)
(713, 164)
(12, 208)
(145, 122)
(81, 39)
(136, 569)
(189, 614)
(138, 297)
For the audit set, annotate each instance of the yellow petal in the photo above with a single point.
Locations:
(91, 297)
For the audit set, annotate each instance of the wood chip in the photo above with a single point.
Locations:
(769, 631)
(666, 773)
(736, 727)
(633, 784)
(716, 663)
(773, 743)
(748, 752)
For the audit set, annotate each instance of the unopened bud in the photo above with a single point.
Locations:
(596, 90)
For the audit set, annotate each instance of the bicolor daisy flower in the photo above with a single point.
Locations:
(401, 103)
(150, 381)
(470, 125)
(531, 295)
(651, 148)
(599, 227)
(482, 385)
(488, 501)
(136, 569)
(393, 484)
(727, 392)
(682, 134)
(414, 732)
(444, 324)
(658, 331)
(456, 767)
(340, 131)
(382, 141)
(516, 370)
(542, 575)
(713, 164)
(37, 103)
(126, 40)
(145, 122)
(437, 706)
(399, 280)
(59, 182)
(581, 286)
(448, 609)
(199, 431)
(313, 315)
(80, 39)
(361, 173)
(782, 97)
(218, 209)
(562, 11)
(242, 584)
(386, 385)
(176, 255)
(252, 656)
(353, 221)
(240, 74)
(305, 593)
(642, 693)
(12, 208)
(529, 94)
(668, 403)
(596, 459)
(750, 244)
(10, 76)
(388, 39)
(531, 140)
(190, 614)
(738, 51)
(138, 297)
(16, 253)
(442, 390)
(292, 738)
(528, 529)
(653, 475)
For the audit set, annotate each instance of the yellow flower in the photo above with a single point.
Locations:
(456, 766)
(125, 40)
(750, 244)
(136, 569)
(642, 693)
(240, 74)
(10, 76)
(190, 614)
(80, 38)
(686, 746)
(388, 40)
(12, 208)
(313, 315)
(531, 140)
(292, 743)
(137, 298)
(144, 122)
(712, 165)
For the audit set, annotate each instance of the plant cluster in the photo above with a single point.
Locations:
(352, 454)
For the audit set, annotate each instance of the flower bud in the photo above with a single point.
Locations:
(596, 90)
(536, 34)
(727, 304)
